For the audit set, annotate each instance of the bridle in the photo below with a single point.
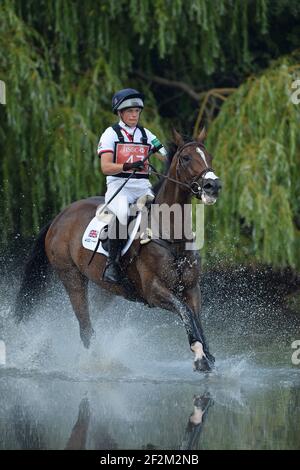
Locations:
(196, 185)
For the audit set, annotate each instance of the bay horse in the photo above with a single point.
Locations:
(155, 270)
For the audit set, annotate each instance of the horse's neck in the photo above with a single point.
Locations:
(172, 193)
(179, 199)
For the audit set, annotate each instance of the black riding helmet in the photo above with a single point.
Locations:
(127, 98)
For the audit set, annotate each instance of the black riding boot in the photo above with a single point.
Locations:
(112, 271)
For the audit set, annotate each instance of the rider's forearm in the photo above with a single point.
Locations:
(111, 168)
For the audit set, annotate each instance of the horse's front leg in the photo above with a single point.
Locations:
(158, 295)
(193, 299)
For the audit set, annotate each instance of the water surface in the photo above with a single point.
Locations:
(135, 388)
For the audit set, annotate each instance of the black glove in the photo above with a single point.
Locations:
(134, 166)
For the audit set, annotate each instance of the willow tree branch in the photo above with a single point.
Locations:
(184, 86)
(215, 93)
(171, 84)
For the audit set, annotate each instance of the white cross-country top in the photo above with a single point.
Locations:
(109, 138)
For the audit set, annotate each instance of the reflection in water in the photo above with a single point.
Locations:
(50, 413)
(103, 440)
(78, 438)
(29, 433)
(195, 422)
(79, 432)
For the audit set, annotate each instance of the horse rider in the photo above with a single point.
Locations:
(122, 148)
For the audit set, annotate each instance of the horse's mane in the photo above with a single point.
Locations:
(172, 148)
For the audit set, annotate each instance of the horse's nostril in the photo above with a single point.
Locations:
(212, 187)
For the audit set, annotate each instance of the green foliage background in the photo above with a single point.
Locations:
(257, 143)
(62, 60)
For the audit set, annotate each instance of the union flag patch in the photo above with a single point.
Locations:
(93, 233)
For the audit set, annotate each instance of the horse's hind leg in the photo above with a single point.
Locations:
(76, 286)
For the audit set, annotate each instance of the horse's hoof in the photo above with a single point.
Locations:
(203, 365)
(203, 401)
(86, 336)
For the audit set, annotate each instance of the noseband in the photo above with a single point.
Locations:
(196, 185)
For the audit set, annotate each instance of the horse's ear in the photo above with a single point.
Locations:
(178, 140)
(202, 136)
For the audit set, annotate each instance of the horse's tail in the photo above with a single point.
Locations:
(34, 278)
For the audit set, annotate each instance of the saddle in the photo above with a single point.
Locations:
(99, 227)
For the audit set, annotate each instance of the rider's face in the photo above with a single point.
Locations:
(130, 116)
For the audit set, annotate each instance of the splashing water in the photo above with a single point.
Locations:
(139, 367)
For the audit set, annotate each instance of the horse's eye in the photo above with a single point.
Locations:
(186, 158)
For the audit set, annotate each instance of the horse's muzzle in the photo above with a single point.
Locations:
(211, 187)
(210, 191)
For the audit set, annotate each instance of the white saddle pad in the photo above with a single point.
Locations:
(97, 225)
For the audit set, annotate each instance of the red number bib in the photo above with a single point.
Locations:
(130, 152)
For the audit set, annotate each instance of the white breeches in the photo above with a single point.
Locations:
(134, 189)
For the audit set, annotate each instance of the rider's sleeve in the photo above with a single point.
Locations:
(154, 141)
(107, 142)
(150, 137)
